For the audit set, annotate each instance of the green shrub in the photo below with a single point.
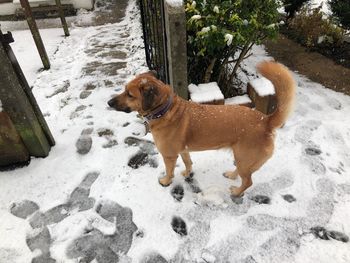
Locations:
(221, 33)
(312, 28)
(341, 11)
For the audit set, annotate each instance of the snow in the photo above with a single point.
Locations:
(263, 86)
(243, 99)
(87, 4)
(35, 1)
(218, 229)
(10, 8)
(175, 3)
(325, 8)
(29, 59)
(7, 9)
(205, 92)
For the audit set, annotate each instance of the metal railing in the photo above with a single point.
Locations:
(153, 25)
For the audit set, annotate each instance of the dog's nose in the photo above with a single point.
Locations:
(111, 103)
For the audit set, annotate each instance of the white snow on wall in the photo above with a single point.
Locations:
(174, 3)
(244, 99)
(86, 4)
(10, 8)
(205, 92)
(263, 86)
(7, 9)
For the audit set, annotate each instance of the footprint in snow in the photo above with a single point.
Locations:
(312, 156)
(261, 199)
(193, 184)
(289, 198)
(304, 132)
(38, 237)
(179, 226)
(177, 192)
(334, 103)
(322, 233)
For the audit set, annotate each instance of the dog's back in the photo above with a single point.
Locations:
(213, 126)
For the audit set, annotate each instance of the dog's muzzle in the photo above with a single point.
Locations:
(114, 104)
(111, 103)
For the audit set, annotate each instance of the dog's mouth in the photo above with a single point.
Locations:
(126, 110)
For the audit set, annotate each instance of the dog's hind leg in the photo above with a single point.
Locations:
(249, 161)
(186, 158)
(170, 162)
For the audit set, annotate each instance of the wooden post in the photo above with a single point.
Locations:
(63, 19)
(19, 107)
(35, 32)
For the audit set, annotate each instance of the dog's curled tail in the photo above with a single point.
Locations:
(284, 84)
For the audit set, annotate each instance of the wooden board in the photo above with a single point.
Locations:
(18, 103)
(12, 149)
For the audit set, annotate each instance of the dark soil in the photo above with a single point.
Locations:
(339, 54)
(313, 65)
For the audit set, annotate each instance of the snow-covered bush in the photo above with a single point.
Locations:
(312, 28)
(341, 11)
(220, 34)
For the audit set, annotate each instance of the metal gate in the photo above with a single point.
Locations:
(153, 25)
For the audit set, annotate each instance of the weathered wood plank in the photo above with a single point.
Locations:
(35, 32)
(47, 11)
(29, 94)
(12, 149)
(17, 105)
(62, 17)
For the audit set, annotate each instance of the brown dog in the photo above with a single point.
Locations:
(179, 126)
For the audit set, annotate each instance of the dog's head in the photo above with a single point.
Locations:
(143, 94)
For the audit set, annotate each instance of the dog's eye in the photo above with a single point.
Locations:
(129, 95)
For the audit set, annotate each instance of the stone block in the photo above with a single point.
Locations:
(175, 26)
(265, 104)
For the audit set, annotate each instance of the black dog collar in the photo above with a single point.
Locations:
(159, 112)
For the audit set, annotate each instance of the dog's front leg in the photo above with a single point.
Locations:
(170, 162)
(186, 158)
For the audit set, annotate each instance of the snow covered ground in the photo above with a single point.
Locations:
(94, 205)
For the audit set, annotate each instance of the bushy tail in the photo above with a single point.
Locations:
(284, 84)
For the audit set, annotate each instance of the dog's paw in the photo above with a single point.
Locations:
(238, 200)
(235, 191)
(186, 173)
(165, 181)
(231, 174)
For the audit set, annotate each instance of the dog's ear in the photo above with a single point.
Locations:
(153, 73)
(149, 94)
